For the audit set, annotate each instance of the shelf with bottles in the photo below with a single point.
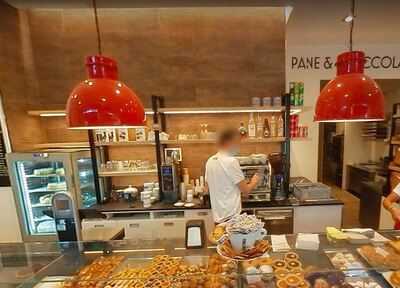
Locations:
(126, 143)
(296, 91)
(214, 141)
(262, 129)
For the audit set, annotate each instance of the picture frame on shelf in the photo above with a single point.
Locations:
(171, 152)
(123, 135)
(140, 134)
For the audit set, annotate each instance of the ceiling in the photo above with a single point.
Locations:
(61, 4)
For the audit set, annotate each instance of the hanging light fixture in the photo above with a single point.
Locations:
(351, 95)
(102, 100)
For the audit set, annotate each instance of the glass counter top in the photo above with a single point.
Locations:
(134, 263)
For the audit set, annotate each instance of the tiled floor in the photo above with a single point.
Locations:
(350, 209)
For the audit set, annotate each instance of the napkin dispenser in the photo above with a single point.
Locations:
(195, 234)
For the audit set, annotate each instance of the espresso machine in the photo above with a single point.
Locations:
(262, 192)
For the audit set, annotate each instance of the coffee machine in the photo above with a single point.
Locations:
(170, 182)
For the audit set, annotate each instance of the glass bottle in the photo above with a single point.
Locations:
(267, 131)
(252, 127)
(272, 126)
(259, 127)
(280, 126)
(242, 130)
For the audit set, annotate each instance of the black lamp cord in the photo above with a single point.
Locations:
(352, 11)
(96, 19)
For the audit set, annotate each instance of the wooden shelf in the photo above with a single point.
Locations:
(213, 141)
(189, 141)
(190, 110)
(47, 113)
(61, 113)
(62, 145)
(395, 142)
(126, 173)
(295, 139)
(225, 110)
(394, 168)
(127, 143)
(264, 140)
(396, 116)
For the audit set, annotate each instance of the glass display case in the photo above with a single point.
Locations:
(36, 177)
(144, 263)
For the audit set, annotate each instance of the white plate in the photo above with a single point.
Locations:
(189, 205)
(179, 204)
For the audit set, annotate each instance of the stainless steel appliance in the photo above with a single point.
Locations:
(277, 221)
(263, 190)
(37, 176)
(169, 183)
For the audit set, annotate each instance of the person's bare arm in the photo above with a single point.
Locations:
(389, 204)
(246, 187)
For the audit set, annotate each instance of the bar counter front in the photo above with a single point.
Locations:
(167, 263)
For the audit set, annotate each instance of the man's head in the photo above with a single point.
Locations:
(229, 140)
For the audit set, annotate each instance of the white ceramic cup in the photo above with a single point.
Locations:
(242, 242)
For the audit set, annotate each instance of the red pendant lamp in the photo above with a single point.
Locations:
(351, 95)
(102, 101)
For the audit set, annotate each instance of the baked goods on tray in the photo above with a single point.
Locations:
(395, 279)
(395, 245)
(384, 257)
(176, 273)
(217, 234)
(259, 249)
(91, 275)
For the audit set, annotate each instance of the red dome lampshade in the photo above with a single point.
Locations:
(102, 101)
(351, 95)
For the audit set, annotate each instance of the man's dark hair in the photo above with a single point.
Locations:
(227, 135)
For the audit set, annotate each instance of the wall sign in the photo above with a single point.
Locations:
(328, 62)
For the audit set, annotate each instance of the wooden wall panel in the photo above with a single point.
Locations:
(191, 56)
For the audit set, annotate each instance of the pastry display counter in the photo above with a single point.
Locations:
(141, 263)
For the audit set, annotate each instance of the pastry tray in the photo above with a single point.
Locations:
(366, 282)
(366, 259)
(142, 262)
(348, 271)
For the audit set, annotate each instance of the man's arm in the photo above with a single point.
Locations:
(246, 187)
(389, 204)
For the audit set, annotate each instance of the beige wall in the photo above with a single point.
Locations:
(324, 34)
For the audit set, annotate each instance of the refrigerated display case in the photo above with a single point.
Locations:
(36, 176)
(153, 263)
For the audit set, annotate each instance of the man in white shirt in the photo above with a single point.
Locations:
(390, 205)
(225, 180)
